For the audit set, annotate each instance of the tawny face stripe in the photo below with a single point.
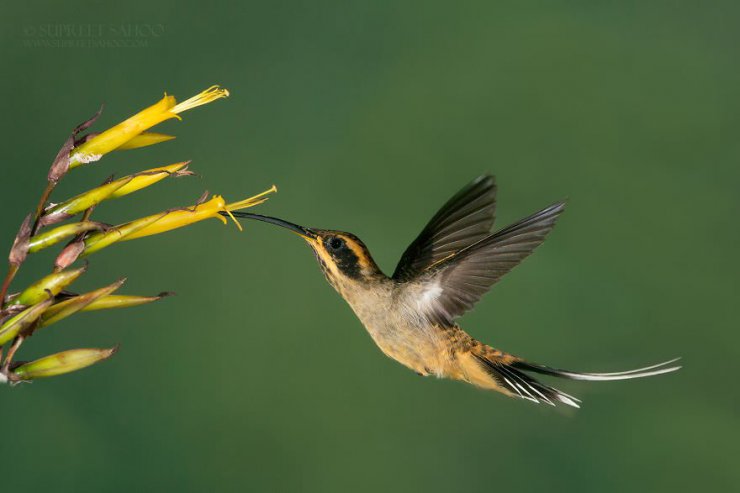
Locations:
(342, 256)
(361, 253)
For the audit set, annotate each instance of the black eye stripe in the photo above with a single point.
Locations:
(343, 257)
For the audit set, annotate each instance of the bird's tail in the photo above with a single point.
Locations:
(508, 374)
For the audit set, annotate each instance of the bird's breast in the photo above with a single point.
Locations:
(400, 332)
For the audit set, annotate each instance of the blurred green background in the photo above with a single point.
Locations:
(368, 116)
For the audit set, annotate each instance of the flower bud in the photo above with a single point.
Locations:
(64, 309)
(52, 285)
(53, 236)
(122, 301)
(18, 323)
(61, 363)
(82, 202)
(149, 177)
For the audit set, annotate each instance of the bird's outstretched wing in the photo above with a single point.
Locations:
(465, 219)
(454, 284)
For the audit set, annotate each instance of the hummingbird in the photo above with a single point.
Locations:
(412, 315)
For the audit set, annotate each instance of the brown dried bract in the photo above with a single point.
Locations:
(85, 138)
(69, 254)
(60, 166)
(55, 218)
(183, 172)
(88, 123)
(19, 250)
(203, 198)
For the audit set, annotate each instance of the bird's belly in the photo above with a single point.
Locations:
(415, 347)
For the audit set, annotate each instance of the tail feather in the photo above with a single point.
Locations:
(508, 373)
(521, 385)
(648, 371)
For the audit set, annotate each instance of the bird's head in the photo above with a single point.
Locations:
(343, 257)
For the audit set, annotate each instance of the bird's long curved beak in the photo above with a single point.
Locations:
(306, 233)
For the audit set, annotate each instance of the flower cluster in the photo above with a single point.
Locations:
(49, 300)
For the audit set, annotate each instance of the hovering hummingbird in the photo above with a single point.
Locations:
(412, 315)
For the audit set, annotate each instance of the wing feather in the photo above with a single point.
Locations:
(465, 219)
(458, 281)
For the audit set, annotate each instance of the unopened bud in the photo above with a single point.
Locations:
(147, 178)
(123, 301)
(64, 309)
(18, 323)
(82, 202)
(61, 363)
(52, 285)
(53, 236)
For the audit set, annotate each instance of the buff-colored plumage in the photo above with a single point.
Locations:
(412, 315)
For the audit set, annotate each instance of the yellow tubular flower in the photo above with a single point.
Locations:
(113, 190)
(116, 136)
(81, 202)
(143, 140)
(183, 217)
(99, 240)
(146, 178)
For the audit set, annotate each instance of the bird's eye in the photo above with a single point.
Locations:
(335, 243)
